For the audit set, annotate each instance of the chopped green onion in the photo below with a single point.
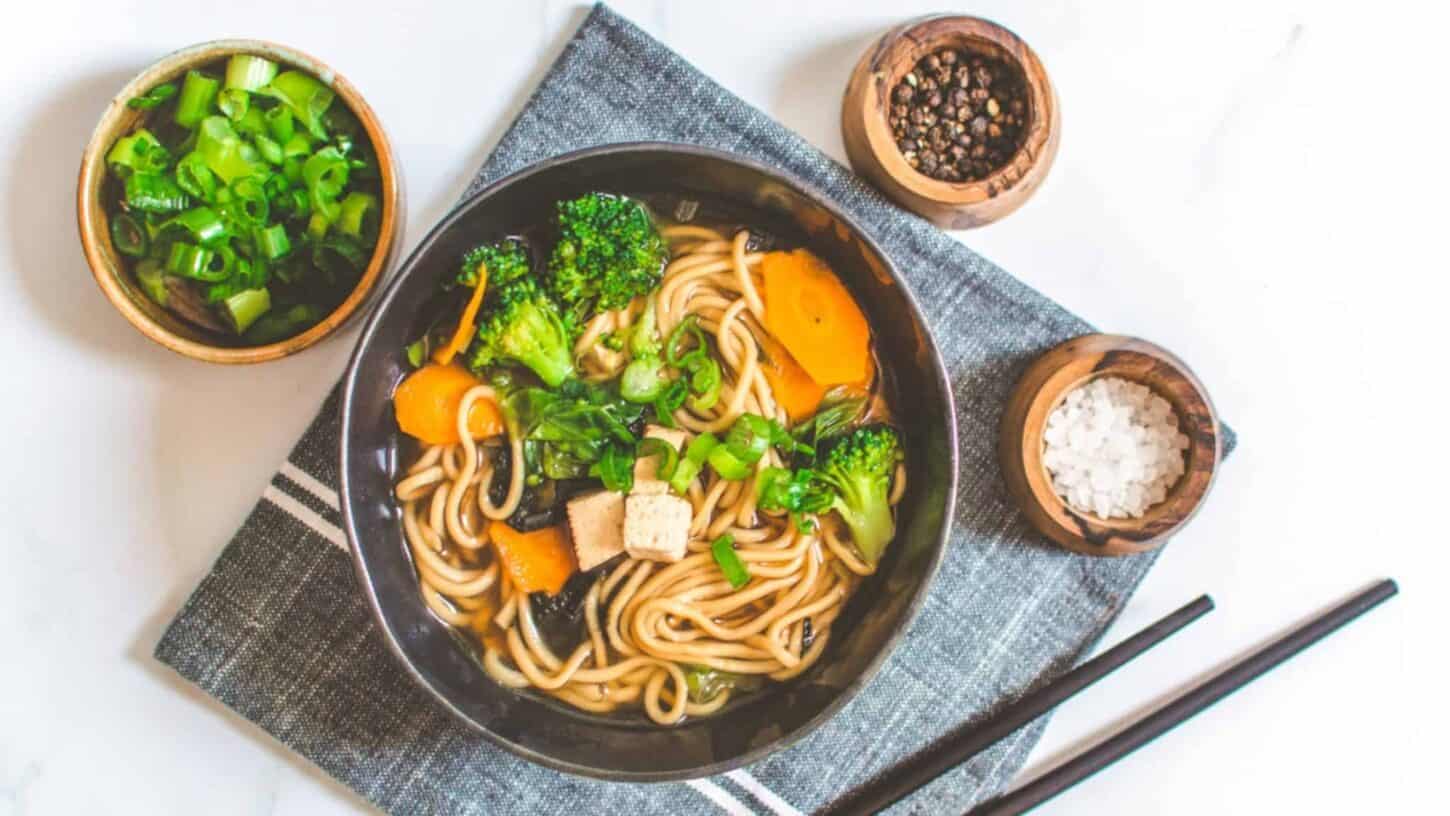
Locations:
(224, 151)
(129, 152)
(749, 438)
(696, 453)
(704, 382)
(252, 123)
(669, 402)
(325, 174)
(688, 328)
(191, 261)
(723, 548)
(243, 308)
(297, 147)
(203, 224)
(668, 454)
(270, 151)
(249, 72)
(198, 92)
(153, 280)
(417, 352)
(153, 193)
(153, 97)
(128, 236)
(305, 96)
(274, 326)
(193, 176)
(152, 159)
(280, 124)
(616, 467)
(730, 467)
(293, 201)
(355, 216)
(318, 224)
(705, 684)
(272, 242)
(234, 103)
(249, 201)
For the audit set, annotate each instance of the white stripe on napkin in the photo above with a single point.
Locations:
(777, 805)
(717, 794)
(306, 515)
(312, 485)
(330, 531)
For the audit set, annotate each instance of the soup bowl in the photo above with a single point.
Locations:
(374, 453)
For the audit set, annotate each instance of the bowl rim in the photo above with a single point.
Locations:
(914, 605)
(106, 265)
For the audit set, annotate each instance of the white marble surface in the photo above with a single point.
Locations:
(1259, 186)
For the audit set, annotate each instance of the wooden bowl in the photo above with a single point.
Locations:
(112, 273)
(873, 151)
(1043, 387)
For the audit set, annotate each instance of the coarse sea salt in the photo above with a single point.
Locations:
(1113, 448)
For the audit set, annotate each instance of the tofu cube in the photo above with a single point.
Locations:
(596, 525)
(656, 526)
(645, 468)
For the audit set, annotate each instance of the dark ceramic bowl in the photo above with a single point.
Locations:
(629, 747)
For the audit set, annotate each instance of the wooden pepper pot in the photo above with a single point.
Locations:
(874, 153)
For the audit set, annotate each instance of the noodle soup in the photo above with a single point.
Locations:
(655, 456)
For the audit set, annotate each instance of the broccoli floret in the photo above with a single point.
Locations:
(644, 379)
(859, 468)
(521, 324)
(507, 261)
(608, 253)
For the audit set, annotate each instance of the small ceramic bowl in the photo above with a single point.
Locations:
(112, 272)
(1042, 389)
(873, 151)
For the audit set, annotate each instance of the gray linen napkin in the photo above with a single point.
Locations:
(278, 631)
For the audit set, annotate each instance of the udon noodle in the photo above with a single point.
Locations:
(644, 622)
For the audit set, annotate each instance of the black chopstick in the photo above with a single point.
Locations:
(894, 783)
(1202, 696)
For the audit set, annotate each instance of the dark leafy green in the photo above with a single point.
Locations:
(571, 428)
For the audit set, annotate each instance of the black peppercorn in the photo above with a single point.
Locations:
(957, 115)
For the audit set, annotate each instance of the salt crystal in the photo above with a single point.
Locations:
(1113, 448)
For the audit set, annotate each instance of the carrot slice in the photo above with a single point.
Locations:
(792, 387)
(426, 405)
(540, 561)
(464, 332)
(813, 315)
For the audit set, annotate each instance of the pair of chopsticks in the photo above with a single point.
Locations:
(917, 771)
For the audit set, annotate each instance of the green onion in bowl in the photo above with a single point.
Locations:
(247, 182)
